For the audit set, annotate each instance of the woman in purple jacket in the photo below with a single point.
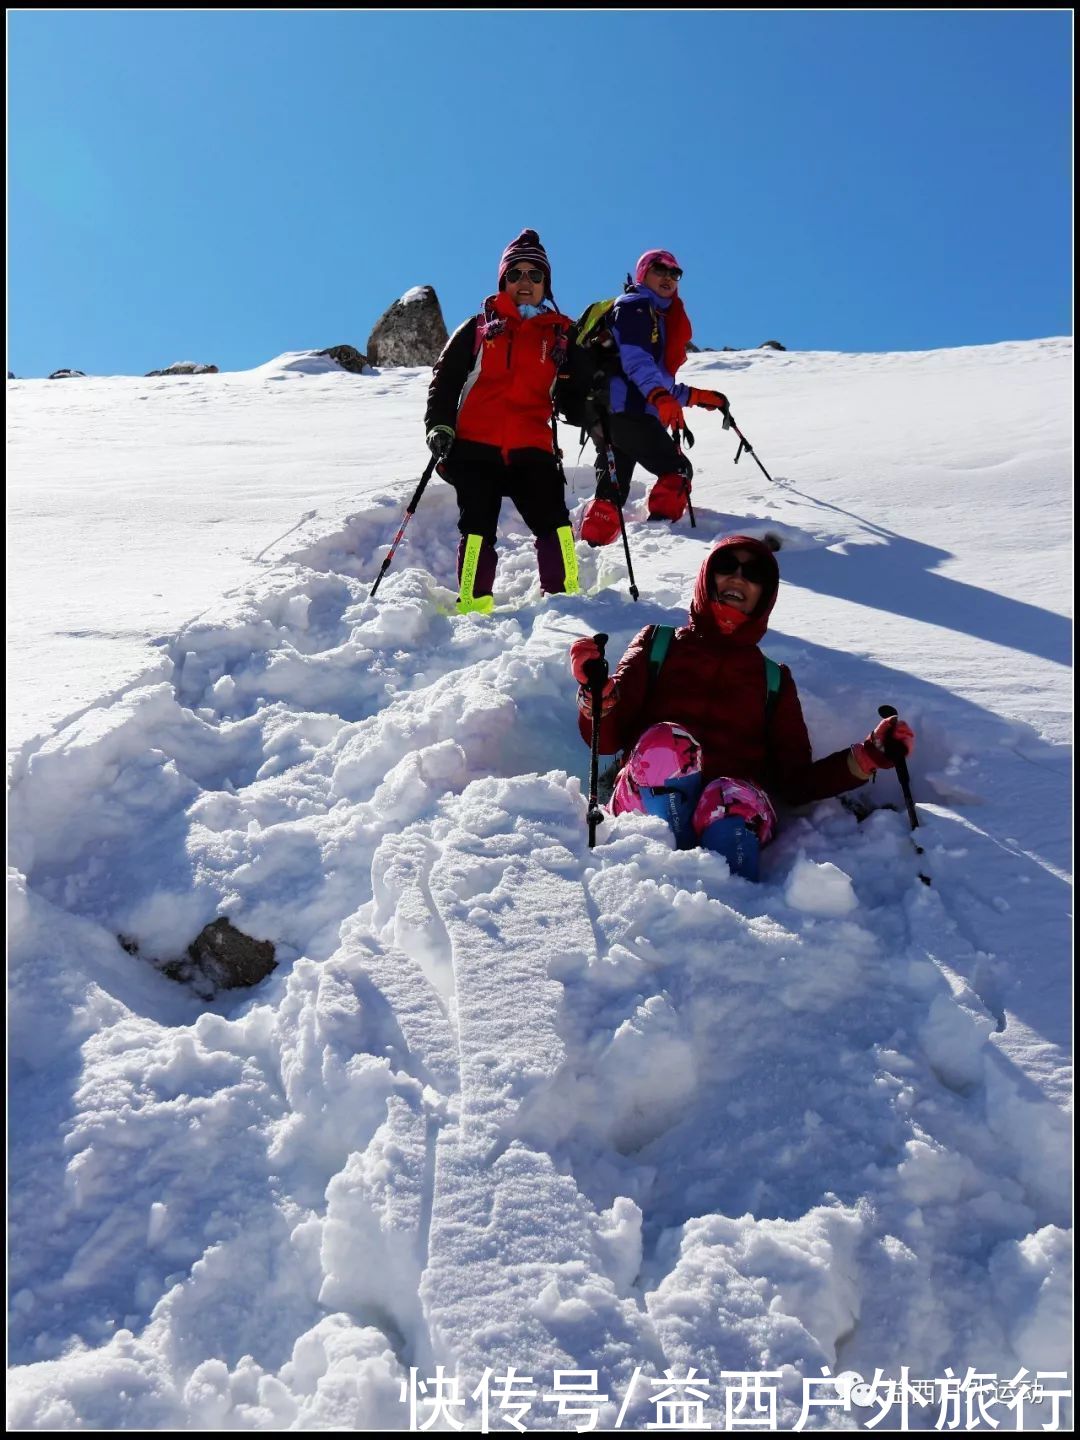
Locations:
(652, 331)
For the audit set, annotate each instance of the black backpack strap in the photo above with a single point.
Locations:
(557, 451)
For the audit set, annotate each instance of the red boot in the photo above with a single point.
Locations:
(600, 523)
(668, 497)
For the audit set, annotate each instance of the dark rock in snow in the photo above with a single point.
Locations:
(221, 957)
(65, 374)
(411, 332)
(11, 376)
(771, 345)
(228, 958)
(347, 356)
(184, 367)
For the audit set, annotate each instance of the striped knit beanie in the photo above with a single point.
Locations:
(526, 251)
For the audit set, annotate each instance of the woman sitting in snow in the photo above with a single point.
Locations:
(488, 422)
(711, 725)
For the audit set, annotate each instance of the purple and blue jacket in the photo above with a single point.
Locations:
(638, 324)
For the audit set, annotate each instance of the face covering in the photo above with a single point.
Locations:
(727, 618)
(528, 311)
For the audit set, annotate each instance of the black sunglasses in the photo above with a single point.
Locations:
(536, 276)
(756, 569)
(671, 271)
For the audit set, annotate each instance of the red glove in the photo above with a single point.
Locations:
(581, 652)
(667, 407)
(873, 753)
(607, 699)
(708, 399)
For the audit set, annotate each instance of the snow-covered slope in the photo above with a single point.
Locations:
(507, 1101)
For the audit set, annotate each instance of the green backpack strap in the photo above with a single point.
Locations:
(773, 677)
(659, 642)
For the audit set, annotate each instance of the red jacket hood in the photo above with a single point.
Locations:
(701, 616)
(679, 334)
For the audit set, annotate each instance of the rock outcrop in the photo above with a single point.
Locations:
(411, 332)
(347, 356)
(184, 367)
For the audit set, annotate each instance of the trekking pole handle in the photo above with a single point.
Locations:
(887, 712)
(596, 671)
(898, 755)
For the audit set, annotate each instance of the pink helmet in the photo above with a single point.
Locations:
(650, 257)
(666, 753)
(736, 797)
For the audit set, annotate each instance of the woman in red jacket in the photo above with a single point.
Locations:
(715, 728)
(489, 423)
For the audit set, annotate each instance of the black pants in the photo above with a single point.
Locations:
(638, 440)
(482, 479)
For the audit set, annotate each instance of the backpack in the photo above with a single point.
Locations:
(661, 639)
(581, 393)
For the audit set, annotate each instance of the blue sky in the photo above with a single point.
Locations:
(222, 187)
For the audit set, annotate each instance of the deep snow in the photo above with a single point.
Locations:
(506, 1101)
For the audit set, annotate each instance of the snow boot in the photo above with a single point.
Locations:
(736, 842)
(663, 777)
(476, 561)
(556, 561)
(668, 497)
(674, 802)
(735, 818)
(600, 522)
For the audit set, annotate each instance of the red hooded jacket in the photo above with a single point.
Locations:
(715, 685)
(500, 393)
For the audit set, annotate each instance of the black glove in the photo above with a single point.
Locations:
(440, 440)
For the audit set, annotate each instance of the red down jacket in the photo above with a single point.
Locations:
(500, 393)
(714, 685)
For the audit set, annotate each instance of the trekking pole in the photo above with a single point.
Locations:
(898, 755)
(686, 482)
(596, 672)
(744, 444)
(410, 510)
(609, 455)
